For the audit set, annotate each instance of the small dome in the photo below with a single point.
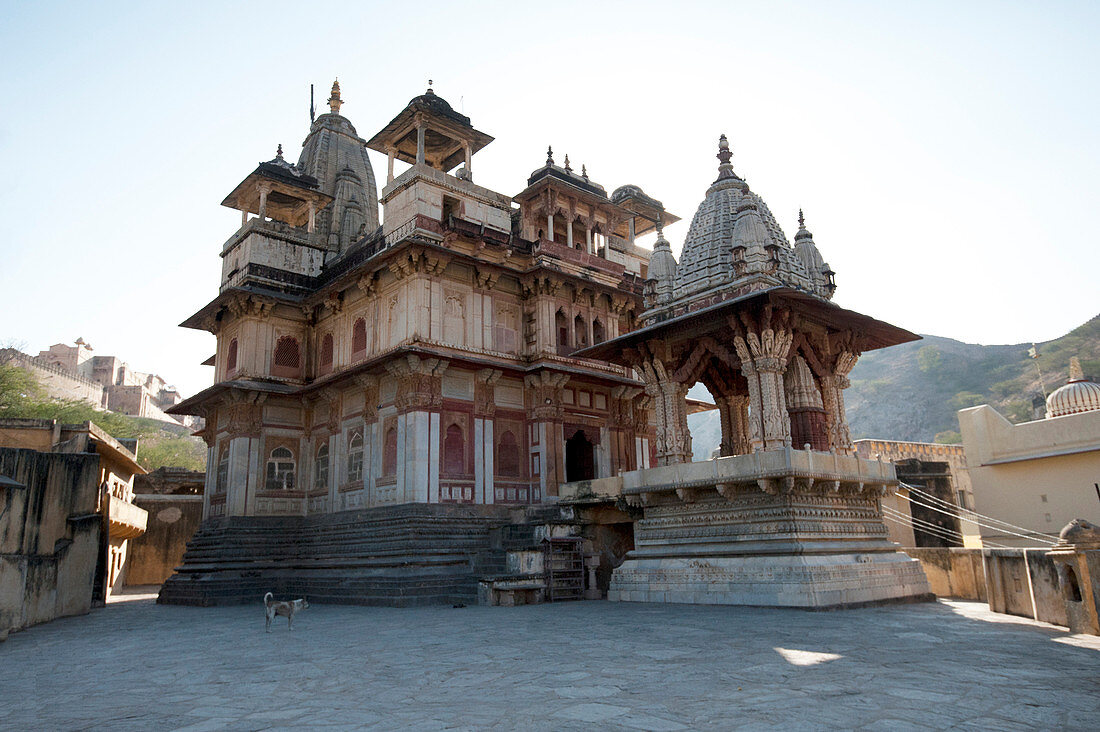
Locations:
(627, 191)
(1078, 395)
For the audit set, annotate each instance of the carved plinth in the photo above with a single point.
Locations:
(786, 528)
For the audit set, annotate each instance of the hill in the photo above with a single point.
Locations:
(913, 391)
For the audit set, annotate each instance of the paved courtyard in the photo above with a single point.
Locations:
(136, 665)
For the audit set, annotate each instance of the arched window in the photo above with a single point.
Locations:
(389, 452)
(580, 331)
(287, 361)
(454, 450)
(359, 337)
(325, 364)
(508, 455)
(320, 467)
(561, 327)
(221, 481)
(355, 457)
(231, 357)
(280, 469)
(597, 331)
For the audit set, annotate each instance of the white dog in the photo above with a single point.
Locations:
(286, 609)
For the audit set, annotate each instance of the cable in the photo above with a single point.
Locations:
(974, 521)
(966, 511)
(921, 523)
(918, 528)
(918, 523)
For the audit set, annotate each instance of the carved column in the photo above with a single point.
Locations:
(544, 390)
(670, 403)
(763, 362)
(734, 415)
(419, 398)
(832, 396)
(484, 441)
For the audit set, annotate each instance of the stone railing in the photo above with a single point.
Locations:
(772, 471)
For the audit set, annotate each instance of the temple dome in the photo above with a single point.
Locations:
(1078, 395)
(731, 212)
(662, 268)
(331, 151)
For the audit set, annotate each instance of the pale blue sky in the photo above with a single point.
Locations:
(945, 153)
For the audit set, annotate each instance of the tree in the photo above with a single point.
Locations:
(929, 359)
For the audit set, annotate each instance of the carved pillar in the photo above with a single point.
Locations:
(419, 398)
(763, 362)
(484, 412)
(544, 390)
(734, 416)
(670, 403)
(832, 397)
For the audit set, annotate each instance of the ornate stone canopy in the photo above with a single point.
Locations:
(776, 361)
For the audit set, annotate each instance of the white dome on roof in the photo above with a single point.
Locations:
(1078, 395)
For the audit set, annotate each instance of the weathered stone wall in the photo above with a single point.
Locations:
(49, 536)
(173, 520)
(1024, 582)
(952, 572)
(1020, 582)
(58, 383)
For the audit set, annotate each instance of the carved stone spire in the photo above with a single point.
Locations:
(549, 155)
(567, 168)
(334, 100)
(725, 168)
(279, 152)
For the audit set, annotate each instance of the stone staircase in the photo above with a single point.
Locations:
(412, 554)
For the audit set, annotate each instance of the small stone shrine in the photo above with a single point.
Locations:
(788, 515)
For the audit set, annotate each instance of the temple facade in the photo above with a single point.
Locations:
(425, 355)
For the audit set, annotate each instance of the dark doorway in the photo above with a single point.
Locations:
(579, 458)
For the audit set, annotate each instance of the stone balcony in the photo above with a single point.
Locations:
(126, 520)
(772, 471)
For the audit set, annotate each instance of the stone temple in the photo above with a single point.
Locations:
(787, 515)
(398, 402)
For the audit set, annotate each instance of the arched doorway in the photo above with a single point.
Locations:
(580, 463)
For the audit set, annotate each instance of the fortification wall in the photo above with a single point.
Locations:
(58, 383)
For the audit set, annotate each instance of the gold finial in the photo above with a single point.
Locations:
(334, 100)
(1075, 371)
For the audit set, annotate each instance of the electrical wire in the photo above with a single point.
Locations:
(966, 511)
(975, 521)
(928, 526)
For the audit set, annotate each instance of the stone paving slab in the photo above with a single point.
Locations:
(136, 665)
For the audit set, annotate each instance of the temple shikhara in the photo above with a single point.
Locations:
(403, 402)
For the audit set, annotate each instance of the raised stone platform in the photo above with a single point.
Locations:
(412, 554)
(789, 528)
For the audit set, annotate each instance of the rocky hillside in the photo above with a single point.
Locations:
(912, 391)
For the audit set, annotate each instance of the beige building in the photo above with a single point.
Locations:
(1039, 475)
(117, 466)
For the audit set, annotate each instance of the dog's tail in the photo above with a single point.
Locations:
(268, 598)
